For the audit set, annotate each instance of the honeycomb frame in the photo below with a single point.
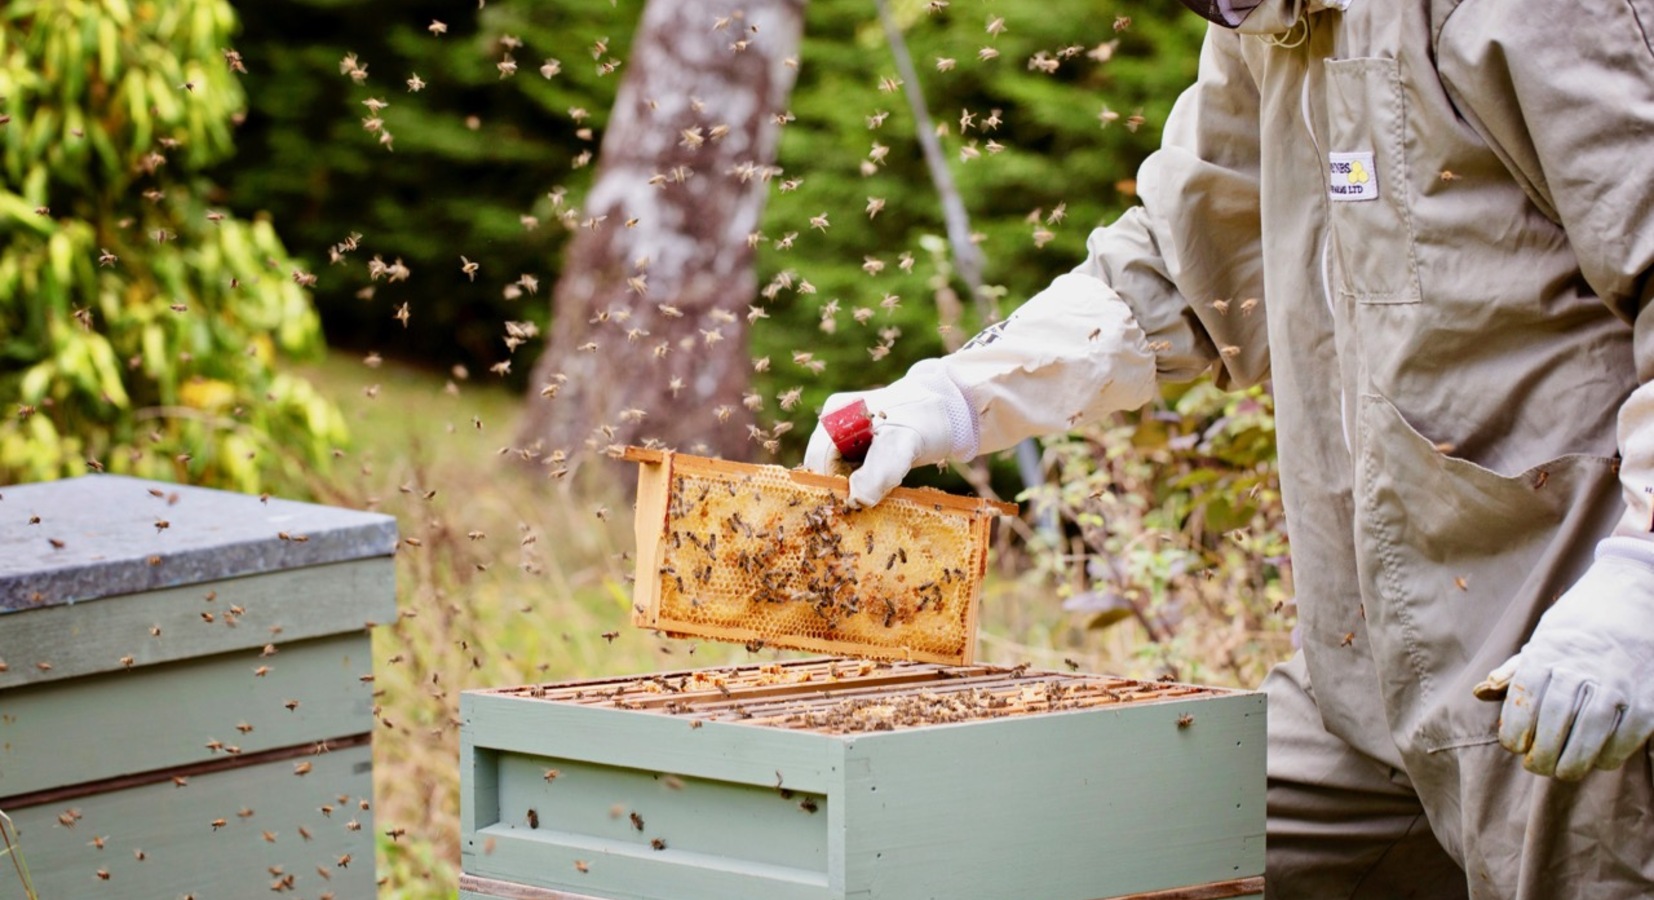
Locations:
(769, 556)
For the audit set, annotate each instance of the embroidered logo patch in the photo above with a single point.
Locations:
(1352, 176)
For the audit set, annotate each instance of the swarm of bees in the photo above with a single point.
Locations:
(647, 318)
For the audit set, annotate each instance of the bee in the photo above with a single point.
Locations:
(637, 821)
(301, 768)
(533, 818)
(582, 866)
(1349, 638)
(1185, 720)
(658, 843)
(218, 823)
(808, 804)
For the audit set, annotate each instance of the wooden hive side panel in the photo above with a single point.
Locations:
(163, 716)
(184, 854)
(135, 630)
(549, 791)
(1100, 803)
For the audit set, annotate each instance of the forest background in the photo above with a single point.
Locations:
(199, 197)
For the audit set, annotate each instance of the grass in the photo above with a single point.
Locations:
(506, 577)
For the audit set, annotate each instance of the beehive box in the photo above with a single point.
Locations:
(840, 778)
(185, 696)
(769, 556)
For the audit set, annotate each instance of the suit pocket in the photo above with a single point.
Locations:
(1367, 181)
(1457, 562)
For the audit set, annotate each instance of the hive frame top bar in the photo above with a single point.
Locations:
(847, 696)
(839, 484)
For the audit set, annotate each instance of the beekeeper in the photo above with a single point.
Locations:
(1444, 212)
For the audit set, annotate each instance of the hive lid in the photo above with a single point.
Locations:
(112, 541)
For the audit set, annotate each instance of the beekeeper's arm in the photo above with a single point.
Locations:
(1139, 308)
(1563, 90)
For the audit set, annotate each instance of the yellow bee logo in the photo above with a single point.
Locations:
(1358, 173)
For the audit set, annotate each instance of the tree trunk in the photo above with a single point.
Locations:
(649, 330)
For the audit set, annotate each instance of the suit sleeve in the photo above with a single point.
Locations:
(1139, 308)
(1197, 237)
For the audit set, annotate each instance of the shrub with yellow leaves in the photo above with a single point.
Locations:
(140, 328)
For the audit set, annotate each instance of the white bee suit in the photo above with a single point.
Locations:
(1445, 212)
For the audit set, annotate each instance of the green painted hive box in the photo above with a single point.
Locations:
(186, 695)
(843, 778)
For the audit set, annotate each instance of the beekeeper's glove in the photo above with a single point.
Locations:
(1581, 691)
(920, 419)
(1071, 354)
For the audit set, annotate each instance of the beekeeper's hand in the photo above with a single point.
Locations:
(1581, 691)
(921, 419)
(1071, 354)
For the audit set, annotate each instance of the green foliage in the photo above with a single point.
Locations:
(473, 152)
(448, 188)
(1051, 150)
(1173, 520)
(138, 327)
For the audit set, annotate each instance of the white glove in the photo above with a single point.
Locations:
(1581, 694)
(1071, 354)
(920, 419)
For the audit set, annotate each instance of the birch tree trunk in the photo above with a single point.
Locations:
(649, 319)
